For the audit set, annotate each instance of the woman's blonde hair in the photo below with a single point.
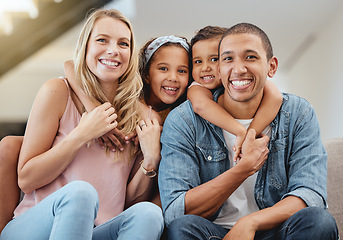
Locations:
(129, 84)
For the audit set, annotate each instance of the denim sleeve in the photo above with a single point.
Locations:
(178, 168)
(307, 158)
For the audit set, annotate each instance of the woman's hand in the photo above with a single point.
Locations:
(149, 133)
(98, 122)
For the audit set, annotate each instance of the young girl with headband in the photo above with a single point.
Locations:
(70, 182)
(164, 67)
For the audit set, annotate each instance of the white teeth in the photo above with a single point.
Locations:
(170, 88)
(208, 77)
(110, 63)
(240, 83)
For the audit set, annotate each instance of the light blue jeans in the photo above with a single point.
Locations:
(69, 213)
(142, 221)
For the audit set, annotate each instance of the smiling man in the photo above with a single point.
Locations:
(278, 188)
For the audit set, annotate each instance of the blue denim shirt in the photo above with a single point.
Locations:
(194, 151)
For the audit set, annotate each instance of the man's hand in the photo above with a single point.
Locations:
(254, 152)
(244, 229)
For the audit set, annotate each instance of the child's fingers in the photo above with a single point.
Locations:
(237, 153)
(235, 157)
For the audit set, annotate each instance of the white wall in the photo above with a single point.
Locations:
(318, 76)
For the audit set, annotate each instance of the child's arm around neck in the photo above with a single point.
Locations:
(203, 104)
(269, 107)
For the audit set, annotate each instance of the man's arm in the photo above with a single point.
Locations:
(306, 168)
(206, 199)
(180, 183)
(307, 160)
(265, 219)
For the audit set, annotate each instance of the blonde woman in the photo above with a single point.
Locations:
(70, 182)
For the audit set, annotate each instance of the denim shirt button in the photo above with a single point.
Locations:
(209, 158)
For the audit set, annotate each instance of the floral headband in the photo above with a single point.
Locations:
(158, 42)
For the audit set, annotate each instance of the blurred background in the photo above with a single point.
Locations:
(37, 36)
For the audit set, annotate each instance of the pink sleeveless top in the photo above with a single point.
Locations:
(92, 164)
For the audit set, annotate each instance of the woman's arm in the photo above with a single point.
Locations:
(203, 104)
(269, 108)
(39, 163)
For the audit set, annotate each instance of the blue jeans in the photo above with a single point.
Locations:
(69, 214)
(142, 221)
(309, 223)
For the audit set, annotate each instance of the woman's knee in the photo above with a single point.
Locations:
(82, 193)
(149, 212)
(82, 188)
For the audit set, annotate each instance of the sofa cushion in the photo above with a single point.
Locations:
(334, 148)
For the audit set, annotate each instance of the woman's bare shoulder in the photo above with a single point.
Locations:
(55, 84)
(53, 93)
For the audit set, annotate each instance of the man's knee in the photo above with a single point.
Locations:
(185, 221)
(185, 227)
(318, 216)
(318, 222)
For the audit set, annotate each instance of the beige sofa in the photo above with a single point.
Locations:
(334, 148)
